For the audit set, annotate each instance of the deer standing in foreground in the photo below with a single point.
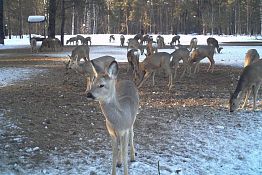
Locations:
(250, 79)
(152, 63)
(200, 53)
(119, 102)
(251, 57)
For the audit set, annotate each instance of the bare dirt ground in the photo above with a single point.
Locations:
(52, 116)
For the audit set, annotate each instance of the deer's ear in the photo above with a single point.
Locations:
(113, 70)
(94, 67)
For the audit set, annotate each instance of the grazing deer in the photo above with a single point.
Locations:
(119, 102)
(200, 53)
(174, 40)
(193, 44)
(160, 41)
(133, 60)
(251, 57)
(87, 40)
(81, 51)
(152, 63)
(250, 78)
(177, 55)
(134, 44)
(213, 42)
(138, 37)
(81, 38)
(33, 45)
(111, 38)
(85, 67)
(151, 48)
(71, 40)
(122, 40)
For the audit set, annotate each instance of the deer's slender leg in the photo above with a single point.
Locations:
(132, 153)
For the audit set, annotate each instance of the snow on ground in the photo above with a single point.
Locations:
(217, 153)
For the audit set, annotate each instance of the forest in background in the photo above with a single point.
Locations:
(229, 17)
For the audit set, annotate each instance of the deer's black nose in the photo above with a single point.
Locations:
(90, 96)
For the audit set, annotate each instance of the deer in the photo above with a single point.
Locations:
(250, 79)
(119, 102)
(251, 57)
(193, 44)
(33, 45)
(122, 40)
(200, 53)
(84, 68)
(133, 60)
(87, 40)
(213, 42)
(152, 63)
(81, 38)
(71, 40)
(180, 54)
(174, 40)
(133, 43)
(81, 51)
(151, 47)
(160, 41)
(111, 38)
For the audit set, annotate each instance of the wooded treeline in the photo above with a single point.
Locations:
(134, 16)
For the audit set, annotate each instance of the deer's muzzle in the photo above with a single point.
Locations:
(90, 96)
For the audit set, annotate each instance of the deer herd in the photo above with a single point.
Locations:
(119, 99)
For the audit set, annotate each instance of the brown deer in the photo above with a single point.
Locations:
(151, 48)
(152, 63)
(193, 44)
(200, 53)
(33, 45)
(119, 102)
(134, 44)
(250, 79)
(174, 40)
(122, 40)
(213, 42)
(251, 57)
(160, 41)
(133, 60)
(178, 55)
(71, 40)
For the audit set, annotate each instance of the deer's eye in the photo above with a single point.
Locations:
(101, 85)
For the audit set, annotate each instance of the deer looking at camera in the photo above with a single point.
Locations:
(250, 79)
(193, 44)
(152, 63)
(119, 102)
(200, 53)
(251, 57)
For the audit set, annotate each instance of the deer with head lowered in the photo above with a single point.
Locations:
(152, 63)
(250, 79)
(251, 57)
(119, 102)
(178, 55)
(200, 53)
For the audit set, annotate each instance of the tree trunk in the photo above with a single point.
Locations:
(52, 16)
(62, 22)
(20, 20)
(2, 35)
(73, 19)
(260, 17)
